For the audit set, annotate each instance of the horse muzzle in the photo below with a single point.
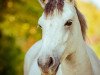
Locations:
(48, 65)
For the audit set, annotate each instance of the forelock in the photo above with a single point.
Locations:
(52, 4)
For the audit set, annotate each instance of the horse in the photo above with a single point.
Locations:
(63, 49)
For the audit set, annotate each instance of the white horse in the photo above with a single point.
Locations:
(62, 49)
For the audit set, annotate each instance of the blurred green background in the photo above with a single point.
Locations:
(18, 31)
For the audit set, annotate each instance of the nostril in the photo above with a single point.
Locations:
(50, 63)
(38, 61)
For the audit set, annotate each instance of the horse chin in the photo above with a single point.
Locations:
(52, 71)
(49, 74)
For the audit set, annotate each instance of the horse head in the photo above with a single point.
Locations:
(60, 25)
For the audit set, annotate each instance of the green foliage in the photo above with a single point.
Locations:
(18, 31)
(9, 55)
(2, 4)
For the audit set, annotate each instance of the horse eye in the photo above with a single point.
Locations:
(68, 23)
(40, 26)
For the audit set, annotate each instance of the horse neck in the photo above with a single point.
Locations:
(77, 63)
(76, 59)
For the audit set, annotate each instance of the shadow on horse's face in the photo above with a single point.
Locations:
(56, 24)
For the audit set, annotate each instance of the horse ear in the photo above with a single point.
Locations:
(43, 3)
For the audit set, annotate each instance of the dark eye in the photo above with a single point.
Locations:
(40, 26)
(68, 23)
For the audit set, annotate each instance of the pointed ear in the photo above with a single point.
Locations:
(43, 3)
